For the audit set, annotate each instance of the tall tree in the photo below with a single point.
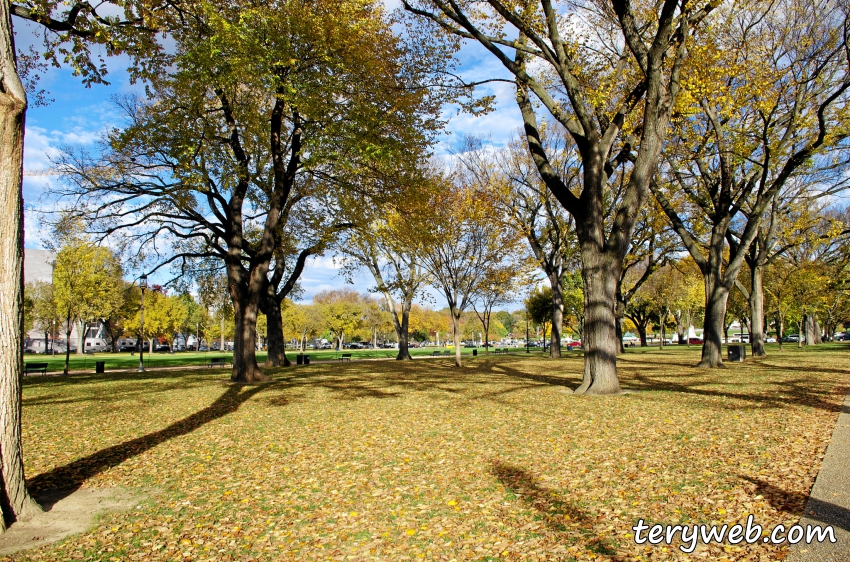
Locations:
(614, 94)
(270, 112)
(87, 286)
(70, 28)
(740, 140)
(462, 243)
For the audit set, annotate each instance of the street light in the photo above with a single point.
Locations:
(143, 284)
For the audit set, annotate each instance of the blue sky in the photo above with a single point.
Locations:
(78, 116)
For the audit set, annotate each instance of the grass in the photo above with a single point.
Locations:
(115, 361)
(389, 460)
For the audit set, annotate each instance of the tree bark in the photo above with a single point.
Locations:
(276, 345)
(600, 344)
(757, 311)
(67, 343)
(557, 319)
(15, 501)
(402, 331)
(456, 330)
(812, 330)
(713, 328)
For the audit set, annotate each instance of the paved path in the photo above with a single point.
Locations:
(829, 502)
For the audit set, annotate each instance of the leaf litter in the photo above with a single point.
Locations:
(420, 460)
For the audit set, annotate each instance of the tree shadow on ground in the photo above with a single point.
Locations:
(555, 510)
(66, 479)
(795, 503)
(802, 392)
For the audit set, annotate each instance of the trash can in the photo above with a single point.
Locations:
(306, 359)
(737, 352)
(474, 352)
(299, 359)
(99, 366)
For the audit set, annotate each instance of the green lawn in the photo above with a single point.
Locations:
(152, 360)
(384, 460)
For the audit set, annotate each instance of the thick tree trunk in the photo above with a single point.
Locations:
(780, 329)
(245, 368)
(812, 329)
(757, 311)
(641, 328)
(557, 318)
(403, 334)
(276, 346)
(16, 503)
(599, 340)
(715, 316)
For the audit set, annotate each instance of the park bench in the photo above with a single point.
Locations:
(345, 357)
(435, 354)
(35, 368)
(218, 362)
(447, 353)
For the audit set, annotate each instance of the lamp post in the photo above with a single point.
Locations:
(143, 284)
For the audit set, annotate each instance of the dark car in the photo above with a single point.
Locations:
(162, 348)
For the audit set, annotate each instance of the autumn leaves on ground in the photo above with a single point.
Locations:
(392, 461)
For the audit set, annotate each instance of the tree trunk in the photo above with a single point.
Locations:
(402, 332)
(599, 341)
(15, 501)
(67, 344)
(456, 330)
(757, 311)
(557, 319)
(276, 346)
(641, 328)
(812, 329)
(780, 329)
(800, 334)
(245, 368)
(713, 328)
(663, 320)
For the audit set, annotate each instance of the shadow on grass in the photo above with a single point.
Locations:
(94, 385)
(795, 503)
(802, 392)
(70, 477)
(556, 511)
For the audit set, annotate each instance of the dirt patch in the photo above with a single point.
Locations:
(66, 514)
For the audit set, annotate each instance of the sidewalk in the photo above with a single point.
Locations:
(829, 502)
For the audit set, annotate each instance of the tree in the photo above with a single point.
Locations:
(70, 29)
(384, 245)
(342, 311)
(614, 94)
(496, 289)
(87, 285)
(530, 208)
(42, 312)
(740, 140)
(304, 320)
(271, 113)
(461, 245)
(539, 307)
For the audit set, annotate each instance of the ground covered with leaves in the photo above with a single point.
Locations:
(421, 460)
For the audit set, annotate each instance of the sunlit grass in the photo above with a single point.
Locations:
(381, 460)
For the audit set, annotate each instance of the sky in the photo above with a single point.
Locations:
(78, 116)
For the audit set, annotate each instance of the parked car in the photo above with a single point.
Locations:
(794, 338)
(842, 337)
(162, 348)
(695, 341)
(574, 345)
